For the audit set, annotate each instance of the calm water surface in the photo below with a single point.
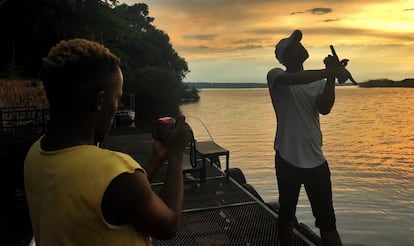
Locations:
(368, 141)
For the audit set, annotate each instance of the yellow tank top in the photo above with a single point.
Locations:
(64, 191)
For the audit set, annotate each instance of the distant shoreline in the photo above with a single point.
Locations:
(205, 85)
(388, 83)
(239, 85)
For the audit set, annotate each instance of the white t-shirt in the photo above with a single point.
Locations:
(298, 135)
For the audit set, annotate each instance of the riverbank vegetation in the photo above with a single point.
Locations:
(22, 93)
(152, 69)
(388, 83)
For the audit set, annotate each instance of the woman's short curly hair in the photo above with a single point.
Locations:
(75, 69)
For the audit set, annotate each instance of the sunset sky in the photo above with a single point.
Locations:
(233, 40)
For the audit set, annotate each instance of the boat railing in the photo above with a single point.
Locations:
(23, 121)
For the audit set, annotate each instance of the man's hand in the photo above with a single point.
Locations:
(173, 145)
(341, 73)
(331, 62)
(159, 152)
(179, 136)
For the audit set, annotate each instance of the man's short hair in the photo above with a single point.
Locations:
(284, 43)
(75, 69)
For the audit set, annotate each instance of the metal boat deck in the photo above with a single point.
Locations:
(218, 211)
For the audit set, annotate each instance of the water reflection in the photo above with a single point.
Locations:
(368, 141)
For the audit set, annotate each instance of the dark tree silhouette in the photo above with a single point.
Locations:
(153, 70)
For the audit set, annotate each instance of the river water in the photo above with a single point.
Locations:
(368, 141)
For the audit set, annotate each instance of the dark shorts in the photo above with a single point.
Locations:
(318, 187)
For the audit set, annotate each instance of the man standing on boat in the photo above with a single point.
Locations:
(80, 194)
(298, 97)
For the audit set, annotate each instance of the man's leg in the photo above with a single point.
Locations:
(319, 190)
(289, 188)
(285, 230)
(330, 237)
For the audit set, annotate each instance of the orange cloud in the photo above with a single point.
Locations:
(205, 32)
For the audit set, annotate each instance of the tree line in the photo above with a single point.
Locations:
(152, 69)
